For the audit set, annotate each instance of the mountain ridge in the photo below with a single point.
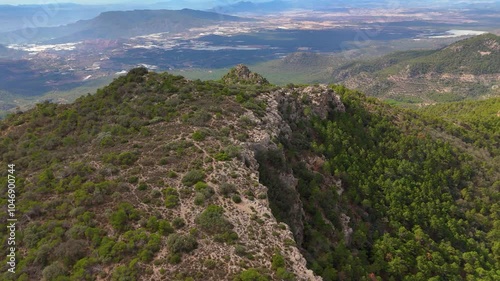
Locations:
(156, 176)
(121, 24)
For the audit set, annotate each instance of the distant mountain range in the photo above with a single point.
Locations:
(477, 55)
(466, 69)
(251, 7)
(45, 15)
(120, 24)
(324, 5)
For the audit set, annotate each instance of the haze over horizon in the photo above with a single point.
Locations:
(198, 2)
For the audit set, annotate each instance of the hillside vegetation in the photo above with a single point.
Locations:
(156, 177)
(477, 55)
(466, 69)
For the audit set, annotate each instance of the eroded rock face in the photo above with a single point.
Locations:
(285, 108)
(320, 99)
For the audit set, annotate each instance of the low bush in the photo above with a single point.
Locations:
(227, 189)
(212, 220)
(164, 227)
(236, 199)
(192, 177)
(177, 243)
(251, 275)
(198, 136)
(178, 223)
(171, 197)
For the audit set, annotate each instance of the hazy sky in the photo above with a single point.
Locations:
(110, 1)
(193, 1)
(13, 2)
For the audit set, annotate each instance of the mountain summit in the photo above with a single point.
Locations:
(242, 75)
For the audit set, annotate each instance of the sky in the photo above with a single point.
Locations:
(20, 2)
(17, 2)
(213, 2)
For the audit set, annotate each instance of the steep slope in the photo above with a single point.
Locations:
(390, 194)
(159, 178)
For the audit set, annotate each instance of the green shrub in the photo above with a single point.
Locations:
(178, 223)
(210, 264)
(120, 218)
(240, 250)
(212, 220)
(204, 189)
(198, 136)
(165, 228)
(133, 179)
(236, 199)
(171, 201)
(199, 199)
(142, 186)
(107, 141)
(152, 224)
(177, 243)
(251, 275)
(145, 132)
(284, 274)
(290, 242)
(199, 186)
(82, 269)
(171, 197)
(277, 261)
(233, 151)
(222, 156)
(70, 251)
(192, 177)
(226, 237)
(262, 196)
(199, 118)
(155, 193)
(226, 189)
(54, 271)
(124, 273)
(174, 258)
(125, 158)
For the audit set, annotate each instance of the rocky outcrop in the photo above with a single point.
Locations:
(286, 107)
(242, 75)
